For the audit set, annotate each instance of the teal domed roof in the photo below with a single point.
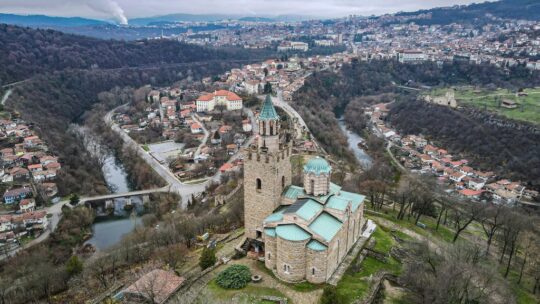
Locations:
(317, 165)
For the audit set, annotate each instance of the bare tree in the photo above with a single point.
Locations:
(492, 221)
(466, 213)
(173, 255)
(527, 241)
(452, 274)
(514, 224)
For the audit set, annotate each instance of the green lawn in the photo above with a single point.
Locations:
(354, 285)
(253, 292)
(444, 233)
(384, 241)
(528, 106)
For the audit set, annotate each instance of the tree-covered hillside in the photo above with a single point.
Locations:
(25, 52)
(511, 9)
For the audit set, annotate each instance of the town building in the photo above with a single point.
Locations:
(301, 232)
(229, 100)
(293, 45)
(410, 56)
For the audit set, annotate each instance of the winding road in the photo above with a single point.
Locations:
(173, 184)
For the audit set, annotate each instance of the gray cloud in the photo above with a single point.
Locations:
(114, 9)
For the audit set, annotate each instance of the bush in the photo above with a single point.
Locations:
(329, 296)
(74, 265)
(208, 258)
(234, 277)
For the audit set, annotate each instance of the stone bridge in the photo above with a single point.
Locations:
(125, 194)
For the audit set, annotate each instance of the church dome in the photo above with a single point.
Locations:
(317, 165)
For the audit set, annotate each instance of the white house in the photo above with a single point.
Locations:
(476, 183)
(246, 125)
(457, 177)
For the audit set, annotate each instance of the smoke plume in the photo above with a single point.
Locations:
(108, 7)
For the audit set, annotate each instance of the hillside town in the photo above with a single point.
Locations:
(195, 133)
(27, 174)
(418, 154)
(502, 42)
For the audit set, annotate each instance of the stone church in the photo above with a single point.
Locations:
(302, 232)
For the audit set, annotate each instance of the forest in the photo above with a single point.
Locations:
(25, 52)
(476, 12)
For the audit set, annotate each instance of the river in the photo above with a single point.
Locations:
(109, 230)
(353, 140)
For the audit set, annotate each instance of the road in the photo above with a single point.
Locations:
(174, 184)
(388, 146)
(185, 190)
(300, 125)
(13, 84)
(206, 134)
(6, 96)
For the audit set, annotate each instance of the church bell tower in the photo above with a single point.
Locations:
(267, 171)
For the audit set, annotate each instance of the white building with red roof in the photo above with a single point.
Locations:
(226, 98)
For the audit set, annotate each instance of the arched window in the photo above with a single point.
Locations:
(271, 128)
(269, 256)
(312, 186)
(259, 184)
(283, 182)
(313, 271)
(286, 268)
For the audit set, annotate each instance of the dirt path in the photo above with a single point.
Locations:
(296, 297)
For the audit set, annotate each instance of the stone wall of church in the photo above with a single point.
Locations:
(316, 266)
(316, 184)
(274, 172)
(270, 251)
(337, 250)
(291, 260)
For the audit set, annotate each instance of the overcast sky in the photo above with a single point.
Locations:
(120, 10)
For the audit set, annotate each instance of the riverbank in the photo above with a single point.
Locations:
(354, 141)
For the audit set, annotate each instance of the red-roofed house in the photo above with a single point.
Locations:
(196, 128)
(457, 176)
(226, 98)
(469, 193)
(226, 167)
(154, 287)
(35, 168)
(53, 166)
(27, 205)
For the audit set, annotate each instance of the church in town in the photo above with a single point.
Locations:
(302, 232)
